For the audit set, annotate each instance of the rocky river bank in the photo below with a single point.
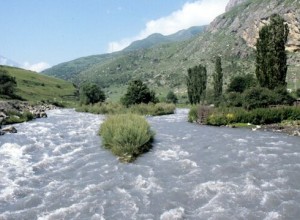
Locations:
(19, 111)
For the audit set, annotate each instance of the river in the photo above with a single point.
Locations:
(55, 168)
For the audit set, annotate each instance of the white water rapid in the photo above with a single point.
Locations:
(55, 168)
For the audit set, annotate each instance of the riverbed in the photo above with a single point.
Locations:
(55, 168)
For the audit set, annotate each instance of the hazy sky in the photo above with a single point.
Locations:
(40, 33)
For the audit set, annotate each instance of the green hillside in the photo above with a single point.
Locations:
(33, 86)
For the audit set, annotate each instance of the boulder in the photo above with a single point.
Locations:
(39, 113)
(9, 129)
(296, 133)
(43, 114)
(3, 115)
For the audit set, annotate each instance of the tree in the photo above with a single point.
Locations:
(138, 92)
(261, 97)
(171, 97)
(91, 94)
(271, 58)
(218, 78)
(241, 83)
(298, 93)
(8, 83)
(196, 84)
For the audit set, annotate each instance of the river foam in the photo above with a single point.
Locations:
(55, 168)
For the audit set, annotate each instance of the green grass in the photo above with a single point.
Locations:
(257, 116)
(17, 117)
(126, 135)
(33, 86)
(116, 108)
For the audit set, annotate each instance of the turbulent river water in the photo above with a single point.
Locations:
(55, 168)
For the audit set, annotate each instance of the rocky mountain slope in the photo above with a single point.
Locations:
(232, 3)
(158, 39)
(70, 70)
(232, 35)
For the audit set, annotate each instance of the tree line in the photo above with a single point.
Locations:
(269, 86)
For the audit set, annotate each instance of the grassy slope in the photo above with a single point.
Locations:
(33, 86)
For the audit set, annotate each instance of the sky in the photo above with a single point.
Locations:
(38, 34)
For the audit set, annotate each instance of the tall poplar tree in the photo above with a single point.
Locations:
(218, 78)
(271, 58)
(196, 84)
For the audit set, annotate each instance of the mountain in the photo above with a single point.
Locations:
(34, 86)
(157, 39)
(232, 3)
(70, 70)
(8, 62)
(231, 35)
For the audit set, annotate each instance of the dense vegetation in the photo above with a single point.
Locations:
(250, 100)
(117, 108)
(126, 135)
(17, 117)
(240, 83)
(257, 116)
(8, 83)
(218, 79)
(196, 84)
(271, 58)
(138, 92)
(91, 94)
(171, 97)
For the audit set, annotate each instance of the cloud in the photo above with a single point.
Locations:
(37, 67)
(195, 13)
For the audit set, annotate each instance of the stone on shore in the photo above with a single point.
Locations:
(9, 129)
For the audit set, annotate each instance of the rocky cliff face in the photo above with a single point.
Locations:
(233, 3)
(251, 15)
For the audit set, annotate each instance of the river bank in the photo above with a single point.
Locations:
(291, 128)
(284, 119)
(14, 111)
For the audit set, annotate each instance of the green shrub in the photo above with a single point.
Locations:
(234, 99)
(171, 97)
(259, 97)
(102, 108)
(90, 94)
(216, 120)
(153, 109)
(241, 83)
(298, 93)
(126, 135)
(138, 92)
(8, 84)
(255, 116)
(17, 117)
(193, 114)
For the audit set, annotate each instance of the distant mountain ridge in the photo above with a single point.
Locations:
(231, 35)
(157, 39)
(71, 69)
(232, 3)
